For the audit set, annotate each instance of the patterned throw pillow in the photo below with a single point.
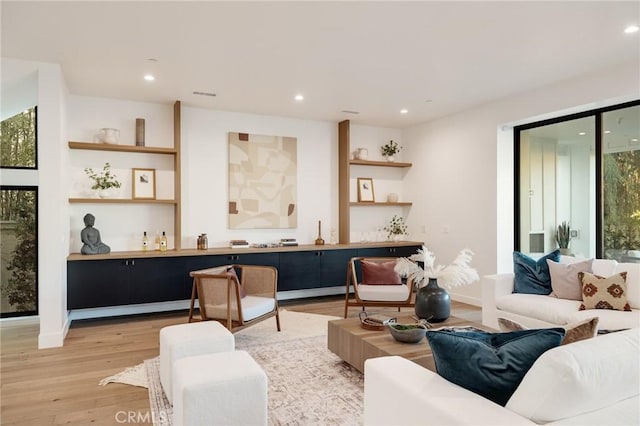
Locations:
(604, 293)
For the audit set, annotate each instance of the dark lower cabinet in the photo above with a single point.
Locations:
(97, 283)
(114, 282)
(312, 269)
(100, 283)
(158, 280)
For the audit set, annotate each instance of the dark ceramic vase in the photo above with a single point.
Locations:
(433, 302)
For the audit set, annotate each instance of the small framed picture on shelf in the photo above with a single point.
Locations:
(144, 184)
(365, 190)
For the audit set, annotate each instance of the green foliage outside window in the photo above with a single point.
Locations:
(19, 224)
(621, 202)
(18, 140)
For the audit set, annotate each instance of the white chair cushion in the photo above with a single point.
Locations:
(252, 307)
(545, 308)
(584, 376)
(383, 293)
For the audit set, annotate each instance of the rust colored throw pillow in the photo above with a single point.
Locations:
(581, 330)
(604, 293)
(375, 273)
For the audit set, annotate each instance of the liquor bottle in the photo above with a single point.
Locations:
(157, 242)
(163, 242)
(145, 242)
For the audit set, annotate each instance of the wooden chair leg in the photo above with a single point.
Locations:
(278, 320)
(193, 300)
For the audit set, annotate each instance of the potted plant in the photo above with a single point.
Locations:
(563, 236)
(396, 228)
(105, 181)
(390, 149)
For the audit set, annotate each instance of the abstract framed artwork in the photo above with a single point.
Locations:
(143, 184)
(262, 181)
(365, 190)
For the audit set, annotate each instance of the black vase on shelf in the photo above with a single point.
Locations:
(433, 302)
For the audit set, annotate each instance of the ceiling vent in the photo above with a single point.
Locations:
(204, 94)
(350, 112)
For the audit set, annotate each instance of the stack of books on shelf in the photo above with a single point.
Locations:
(288, 242)
(239, 244)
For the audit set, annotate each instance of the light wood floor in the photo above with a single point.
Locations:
(60, 385)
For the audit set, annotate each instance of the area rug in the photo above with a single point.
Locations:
(308, 384)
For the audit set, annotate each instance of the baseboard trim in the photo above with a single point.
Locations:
(178, 305)
(466, 299)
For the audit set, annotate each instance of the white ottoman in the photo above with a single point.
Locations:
(225, 388)
(184, 340)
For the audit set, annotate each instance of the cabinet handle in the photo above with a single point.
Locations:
(133, 262)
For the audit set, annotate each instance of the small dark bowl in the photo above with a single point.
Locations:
(408, 333)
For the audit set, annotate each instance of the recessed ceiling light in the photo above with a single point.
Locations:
(607, 132)
(149, 77)
(299, 97)
(582, 133)
(404, 111)
(631, 29)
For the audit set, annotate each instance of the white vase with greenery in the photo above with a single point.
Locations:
(396, 228)
(104, 182)
(389, 150)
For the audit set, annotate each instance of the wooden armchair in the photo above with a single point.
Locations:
(235, 302)
(375, 295)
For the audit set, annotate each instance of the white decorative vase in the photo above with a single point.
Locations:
(392, 197)
(362, 153)
(391, 158)
(395, 238)
(108, 193)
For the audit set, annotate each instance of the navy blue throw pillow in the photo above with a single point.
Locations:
(532, 276)
(490, 364)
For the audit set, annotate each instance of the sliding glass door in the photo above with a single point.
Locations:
(578, 184)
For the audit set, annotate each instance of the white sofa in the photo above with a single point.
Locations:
(538, 311)
(590, 382)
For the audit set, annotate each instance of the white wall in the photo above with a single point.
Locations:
(463, 160)
(120, 225)
(205, 175)
(51, 178)
(367, 222)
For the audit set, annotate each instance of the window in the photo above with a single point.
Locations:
(19, 260)
(18, 135)
(583, 170)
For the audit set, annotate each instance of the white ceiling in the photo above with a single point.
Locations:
(433, 58)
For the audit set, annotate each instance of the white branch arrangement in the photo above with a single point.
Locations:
(458, 273)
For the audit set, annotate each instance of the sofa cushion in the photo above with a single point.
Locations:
(532, 276)
(574, 332)
(547, 309)
(490, 364)
(604, 293)
(380, 273)
(633, 282)
(579, 378)
(564, 278)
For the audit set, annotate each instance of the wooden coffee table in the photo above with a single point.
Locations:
(354, 344)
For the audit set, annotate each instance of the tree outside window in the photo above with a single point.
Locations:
(18, 136)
